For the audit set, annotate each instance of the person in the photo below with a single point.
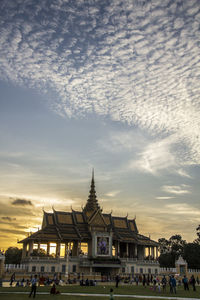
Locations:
(144, 280)
(185, 283)
(12, 279)
(27, 282)
(148, 279)
(17, 284)
(34, 286)
(22, 281)
(111, 294)
(193, 282)
(117, 279)
(87, 282)
(164, 283)
(154, 283)
(53, 290)
(173, 284)
(159, 287)
(170, 284)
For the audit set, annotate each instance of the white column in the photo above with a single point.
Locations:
(136, 250)
(48, 248)
(118, 248)
(153, 252)
(127, 252)
(156, 252)
(24, 250)
(149, 252)
(30, 250)
(58, 249)
(67, 260)
(38, 249)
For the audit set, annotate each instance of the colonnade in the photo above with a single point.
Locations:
(126, 250)
(129, 250)
(70, 248)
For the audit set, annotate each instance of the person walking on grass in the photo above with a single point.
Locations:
(164, 283)
(111, 294)
(173, 284)
(185, 283)
(34, 286)
(117, 279)
(193, 282)
(144, 280)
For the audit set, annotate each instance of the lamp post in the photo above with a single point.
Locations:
(67, 261)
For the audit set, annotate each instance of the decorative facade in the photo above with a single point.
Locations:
(88, 242)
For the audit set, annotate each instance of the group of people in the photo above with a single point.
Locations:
(88, 282)
(158, 284)
(155, 282)
(192, 281)
(34, 281)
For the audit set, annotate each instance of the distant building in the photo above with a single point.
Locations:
(89, 241)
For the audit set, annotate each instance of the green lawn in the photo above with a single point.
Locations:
(122, 290)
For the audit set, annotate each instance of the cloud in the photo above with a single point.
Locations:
(132, 61)
(22, 202)
(8, 219)
(183, 173)
(183, 209)
(157, 156)
(164, 198)
(12, 231)
(112, 193)
(175, 189)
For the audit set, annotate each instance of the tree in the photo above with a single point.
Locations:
(166, 260)
(197, 241)
(192, 255)
(170, 250)
(164, 245)
(198, 231)
(40, 253)
(177, 245)
(13, 255)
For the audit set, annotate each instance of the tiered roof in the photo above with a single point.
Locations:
(78, 225)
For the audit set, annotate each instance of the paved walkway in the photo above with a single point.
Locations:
(105, 295)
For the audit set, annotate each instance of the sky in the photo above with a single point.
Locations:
(111, 85)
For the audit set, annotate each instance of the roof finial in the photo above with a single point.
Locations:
(92, 174)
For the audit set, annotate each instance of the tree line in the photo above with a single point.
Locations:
(175, 246)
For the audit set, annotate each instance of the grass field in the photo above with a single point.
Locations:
(121, 290)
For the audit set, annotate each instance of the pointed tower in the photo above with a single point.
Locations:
(92, 202)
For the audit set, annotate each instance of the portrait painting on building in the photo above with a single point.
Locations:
(102, 245)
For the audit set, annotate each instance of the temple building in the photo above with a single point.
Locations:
(89, 241)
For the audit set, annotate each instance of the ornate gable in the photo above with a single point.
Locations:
(97, 219)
